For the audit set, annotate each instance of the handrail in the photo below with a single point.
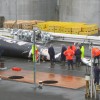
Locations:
(75, 38)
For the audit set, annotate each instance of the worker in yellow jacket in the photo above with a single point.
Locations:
(36, 56)
(31, 53)
(82, 51)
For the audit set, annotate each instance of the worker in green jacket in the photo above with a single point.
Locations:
(35, 57)
(82, 51)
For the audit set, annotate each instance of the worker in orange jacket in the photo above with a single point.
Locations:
(74, 47)
(69, 53)
(95, 55)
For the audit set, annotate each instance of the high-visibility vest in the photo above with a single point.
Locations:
(36, 53)
(82, 52)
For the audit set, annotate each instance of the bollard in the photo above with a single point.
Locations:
(0, 77)
(87, 78)
(2, 67)
(40, 85)
(1, 64)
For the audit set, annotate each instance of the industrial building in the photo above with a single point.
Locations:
(87, 11)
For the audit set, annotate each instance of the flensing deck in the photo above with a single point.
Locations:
(63, 80)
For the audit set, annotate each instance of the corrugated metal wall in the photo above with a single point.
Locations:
(29, 9)
(80, 10)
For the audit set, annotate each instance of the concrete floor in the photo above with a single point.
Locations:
(11, 90)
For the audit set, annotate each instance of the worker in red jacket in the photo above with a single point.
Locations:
(95, 55)
(69, 53)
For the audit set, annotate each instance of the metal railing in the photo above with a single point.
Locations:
(75, 38)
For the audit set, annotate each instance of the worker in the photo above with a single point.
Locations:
(35, 57)
(63, 57)
(78, 56)
(96, 75)
(69, 53)
(95, 55)
(74, 47)
(82, 51)
(52, 55)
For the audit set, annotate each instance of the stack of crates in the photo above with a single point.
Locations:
(27, 26)
(66, 29)
(89, 29)
(21, 24)
(9, 24)
(94, 29)
(13, 24)
(18, 24)
(35, 22)
(86, 30)
(76, 27)
(53, 26)
(69, 27)
(42, 26)
(50, 26)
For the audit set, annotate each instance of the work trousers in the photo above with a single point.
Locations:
(70, 63)
(78, 61)
(96, 58)
(96, 80)
(52, 60)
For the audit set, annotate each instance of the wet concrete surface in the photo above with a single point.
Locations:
(11, 90)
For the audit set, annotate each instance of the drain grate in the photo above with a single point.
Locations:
(48, 82)
(15, 77)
